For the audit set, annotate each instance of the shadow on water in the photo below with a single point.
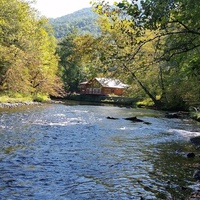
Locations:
(75, 152)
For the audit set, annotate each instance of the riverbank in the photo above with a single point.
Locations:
(117, 100)
(120, 101)
(29, 103)
(17, 104)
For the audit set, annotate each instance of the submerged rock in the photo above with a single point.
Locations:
(190, 155)
(196, 174)
(171, 115)
(111, 118)
(185, 154)
(196, 140)
(133, 119)
(179, 114)
(195, 195)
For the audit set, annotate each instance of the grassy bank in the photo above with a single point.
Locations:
(16, 98)
(6, 99)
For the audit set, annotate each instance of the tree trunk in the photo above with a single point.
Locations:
(153, 98)
(164, 96)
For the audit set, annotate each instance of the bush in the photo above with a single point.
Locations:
(196, 116)
(146, 103)
(41, 97)
(176, 103)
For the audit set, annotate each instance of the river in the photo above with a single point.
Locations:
(73, 152)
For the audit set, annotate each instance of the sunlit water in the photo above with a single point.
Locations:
(69, 152)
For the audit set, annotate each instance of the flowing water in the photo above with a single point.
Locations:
(69, 152)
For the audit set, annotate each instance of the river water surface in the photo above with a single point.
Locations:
(69, 152)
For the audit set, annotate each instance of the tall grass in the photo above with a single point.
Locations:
(17, 97)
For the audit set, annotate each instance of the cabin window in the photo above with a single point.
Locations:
(90, 91)
(96, 90)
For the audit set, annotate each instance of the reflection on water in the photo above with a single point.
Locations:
(75, 152)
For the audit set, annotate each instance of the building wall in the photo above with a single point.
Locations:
(101, 91)
(116, 91)
(94, 87)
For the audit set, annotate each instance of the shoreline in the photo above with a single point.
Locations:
(26, 103)
(11, 105)
(17, 104)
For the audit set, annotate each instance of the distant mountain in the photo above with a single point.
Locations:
(84, 20)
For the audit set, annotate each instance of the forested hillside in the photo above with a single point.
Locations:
(84, 20)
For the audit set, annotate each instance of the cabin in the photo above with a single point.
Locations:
(103, 86)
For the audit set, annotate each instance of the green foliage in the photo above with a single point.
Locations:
(71, 70)
(145, 103)
(159, 49)
(14, 97)
(178, 23)
(122, 54)
(28, 63)
(196, 116)
(41, 97)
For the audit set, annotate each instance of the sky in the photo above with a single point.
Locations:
(58, 8)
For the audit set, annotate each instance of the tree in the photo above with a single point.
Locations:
(28, 63)
(124, 55)
(84, 47)
(70, 62)
(175, 26)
